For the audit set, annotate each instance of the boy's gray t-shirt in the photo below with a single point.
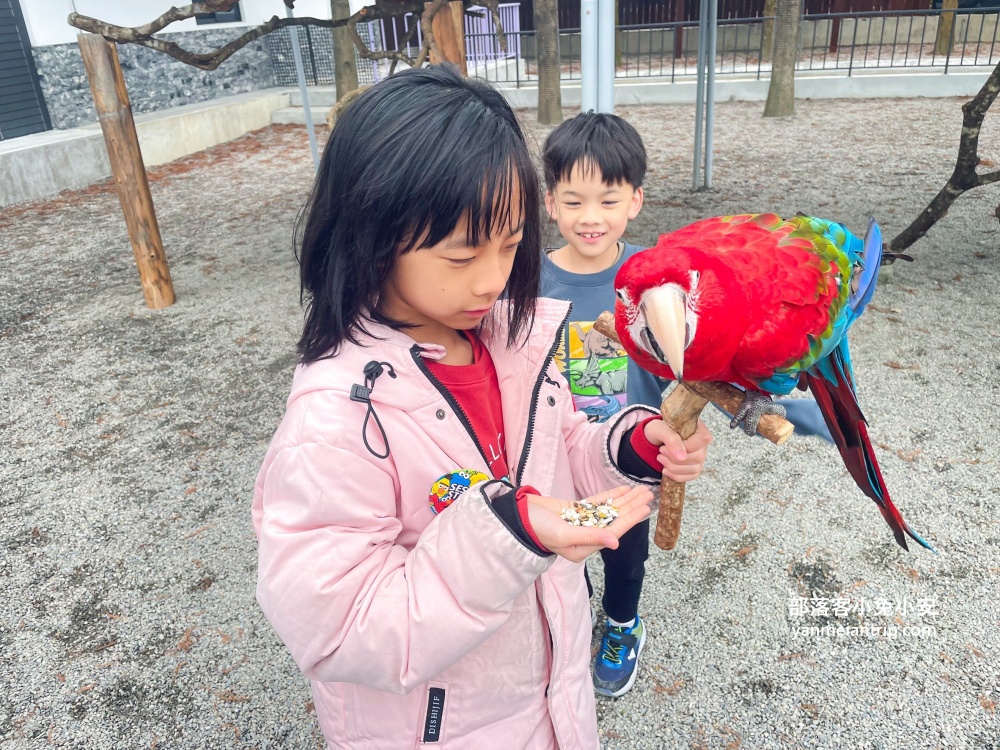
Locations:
(602, 379)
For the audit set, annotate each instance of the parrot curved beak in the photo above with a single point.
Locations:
(665, 311)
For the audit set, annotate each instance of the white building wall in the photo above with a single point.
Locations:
(46, 19)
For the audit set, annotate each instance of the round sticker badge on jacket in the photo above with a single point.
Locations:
(450, 487)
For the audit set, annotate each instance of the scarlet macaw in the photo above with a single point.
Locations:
(766, 304)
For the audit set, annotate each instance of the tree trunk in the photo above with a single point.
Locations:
(781, 90)
(547, 44)
(767, 33)
(946, 24)
(345, 65)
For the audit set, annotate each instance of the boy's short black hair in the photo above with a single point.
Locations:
(410, 158)
(595, 140)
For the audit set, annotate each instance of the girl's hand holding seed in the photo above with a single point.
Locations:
(575, 543)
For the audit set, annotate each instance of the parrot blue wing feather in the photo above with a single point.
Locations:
(871, 260)
(780, 384)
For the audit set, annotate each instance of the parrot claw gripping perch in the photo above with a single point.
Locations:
(764, 303)
(755, 405)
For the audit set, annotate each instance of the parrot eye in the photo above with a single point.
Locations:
(621, 296)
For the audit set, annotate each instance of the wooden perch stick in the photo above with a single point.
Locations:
(681, 409)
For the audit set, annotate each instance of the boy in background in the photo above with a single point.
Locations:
(594, 167)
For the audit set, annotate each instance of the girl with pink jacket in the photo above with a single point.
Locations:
(412, 555)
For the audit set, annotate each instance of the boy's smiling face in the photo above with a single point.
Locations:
(592, 217)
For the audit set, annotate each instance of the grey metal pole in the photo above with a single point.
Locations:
(606, 56)
(300, 72)
(588, 55)
(713, 33)
(699, 109)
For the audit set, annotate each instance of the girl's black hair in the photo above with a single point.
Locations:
(595, 140)
(409, 158)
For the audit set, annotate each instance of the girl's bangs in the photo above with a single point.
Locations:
(497, 201)
(501, 204)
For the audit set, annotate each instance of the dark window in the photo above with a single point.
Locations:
(222, 17)
(22, 106)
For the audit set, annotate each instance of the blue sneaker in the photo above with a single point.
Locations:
(617, 659)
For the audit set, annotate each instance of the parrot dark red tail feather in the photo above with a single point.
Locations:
(834, 393)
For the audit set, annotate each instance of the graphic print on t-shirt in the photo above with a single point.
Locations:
(597, 371)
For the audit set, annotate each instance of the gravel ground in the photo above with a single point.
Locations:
(131, 439)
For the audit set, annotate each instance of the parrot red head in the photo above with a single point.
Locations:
(677, 303)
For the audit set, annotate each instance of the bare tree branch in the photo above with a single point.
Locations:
(494, 8)
(989, 178)
(405, 43)
(143, 35)
(964, 177)
(368, 54)
(179, 14)
(396, 56)
(427, 31)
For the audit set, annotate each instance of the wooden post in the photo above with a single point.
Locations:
(100, 58)
(681, 409)
(946, 25)
(838, 7)
(449, 33)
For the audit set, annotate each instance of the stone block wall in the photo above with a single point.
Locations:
(155, 81)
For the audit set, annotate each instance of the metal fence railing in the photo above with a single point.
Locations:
(899, 39)
(842, 42)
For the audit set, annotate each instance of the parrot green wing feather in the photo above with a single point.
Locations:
(835, 246)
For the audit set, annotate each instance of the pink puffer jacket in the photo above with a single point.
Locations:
(418, 628)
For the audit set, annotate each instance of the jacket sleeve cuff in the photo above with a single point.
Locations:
(521, 497)
(638, 456)
(618, 445)
(506, 503)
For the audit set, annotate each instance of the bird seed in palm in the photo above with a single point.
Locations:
(586, 513)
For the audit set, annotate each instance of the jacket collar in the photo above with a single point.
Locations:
(385, 344)
(545, 327)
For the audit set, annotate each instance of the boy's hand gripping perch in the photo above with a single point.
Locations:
(681, 410)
